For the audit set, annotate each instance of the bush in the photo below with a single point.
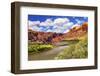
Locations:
(38, 48)
(66, 54)
(78, 50)
(81, 49)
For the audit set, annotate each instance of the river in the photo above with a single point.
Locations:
(46, 55)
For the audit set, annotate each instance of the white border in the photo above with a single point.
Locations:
(25, 64)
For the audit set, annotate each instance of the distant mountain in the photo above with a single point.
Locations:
(43, 37)
(50, 37)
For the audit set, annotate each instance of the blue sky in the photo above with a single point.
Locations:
(58, 24)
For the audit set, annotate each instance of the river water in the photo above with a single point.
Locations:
(46, 55)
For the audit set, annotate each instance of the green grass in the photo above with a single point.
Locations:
(78, 50)
(34, 48)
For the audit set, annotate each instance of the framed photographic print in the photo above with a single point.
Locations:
(52, 37)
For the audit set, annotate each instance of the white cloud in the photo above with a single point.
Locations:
(35, 28)
(66, 31)
(59, 25)
(49, 30)
(33, 23)
(69, 24)
(79, 21)
(75, 25)
(55, 26)
(57, 30)
(60, 21)
(43, 24)
(47, 22)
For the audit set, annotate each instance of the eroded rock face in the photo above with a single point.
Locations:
(44, 37)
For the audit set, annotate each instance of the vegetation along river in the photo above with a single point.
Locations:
(47, 55)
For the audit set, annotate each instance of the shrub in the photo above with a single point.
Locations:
(38, 48)
(78, 50)
(66, 54)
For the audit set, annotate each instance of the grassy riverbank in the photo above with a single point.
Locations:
(74, 51)
(38, 47)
